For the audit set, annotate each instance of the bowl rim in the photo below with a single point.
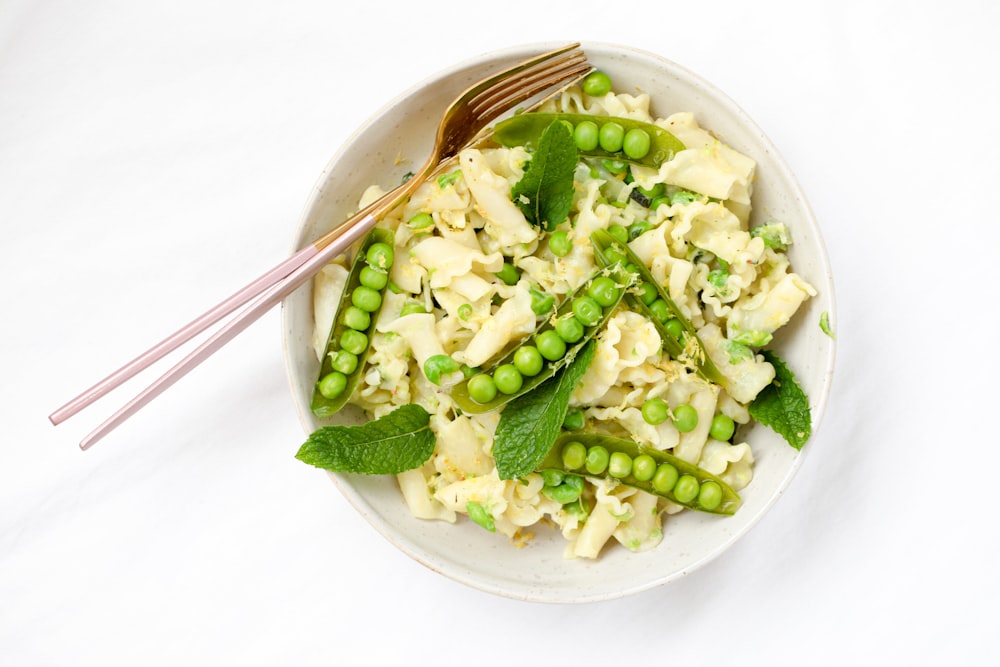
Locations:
(818, 403)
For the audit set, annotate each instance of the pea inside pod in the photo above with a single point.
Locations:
(651, 470)
(652, 300)
(553, 344)
(350, 336)
(607, 137)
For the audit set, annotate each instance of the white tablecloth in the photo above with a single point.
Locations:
(155, 155)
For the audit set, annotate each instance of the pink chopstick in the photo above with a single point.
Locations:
(178, 338)
(311, 261)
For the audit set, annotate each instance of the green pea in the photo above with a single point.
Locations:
(616, 167)
(421, 221)
(643, 467)
(687, 488)
(574, 455)
(569, 329)
(648, 293)
(618, 233)
(658, 190)
(619, 465)
(366, 298)
(357, 319)
(528, 360)
(655, 411)
(636, 143)
(380, 256)
(574, 420)
(685, 418)
(597, 84)
(638, 228)
(344, 362)
(587, 310)
(709, 495)
(611, 136)
(353, 341)
(552, 477)
(568, 491)
(604, 291)
(508, 379)
(411, 307)
(615, 257)
(559, 244)
(373, 278)
(674, 327)
(332, 385)
(722, 428)
(550, 345)
(665, 478)
(657, 202)
(585, 135)
(508, 274)
(541, 303)
(482, 388)
(439, 364)
(597, 459)
(660, 310)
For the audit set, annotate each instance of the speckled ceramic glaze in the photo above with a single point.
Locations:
(396, 140)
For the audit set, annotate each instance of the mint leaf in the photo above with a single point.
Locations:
(782, 405)
(399, 441)
(531, 422)
(545, 192)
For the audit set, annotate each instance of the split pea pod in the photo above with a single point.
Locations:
(646, 468)
(555, 343)
(354, 325)
(596, 136)
(680, 340)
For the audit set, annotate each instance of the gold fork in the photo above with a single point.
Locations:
(465, 121)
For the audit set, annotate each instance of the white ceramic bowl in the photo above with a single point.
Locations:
(463, 551)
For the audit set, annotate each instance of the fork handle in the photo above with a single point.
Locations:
(316, 260)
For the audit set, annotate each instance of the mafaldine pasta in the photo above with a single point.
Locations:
(467, 282)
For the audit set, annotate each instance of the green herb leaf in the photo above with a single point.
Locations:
(545, 192)
(824, 324)
(399, 441)
(531, 422)
(480, 515)
(782, 405)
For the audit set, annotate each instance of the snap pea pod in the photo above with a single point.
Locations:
(652, 300)
(652, 470)
(354, 324)
(555, 343)
(595, 136)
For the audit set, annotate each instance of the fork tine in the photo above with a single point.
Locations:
(496, 105)
(526, 78)
(510, 72)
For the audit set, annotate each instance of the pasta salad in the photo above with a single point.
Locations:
(568, 327)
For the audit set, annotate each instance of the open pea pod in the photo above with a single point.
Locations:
(548, 331)
(526, 129)
(652, 470)
(689, 347)
(353, 326)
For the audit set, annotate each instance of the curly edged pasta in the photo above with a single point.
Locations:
(474, 279)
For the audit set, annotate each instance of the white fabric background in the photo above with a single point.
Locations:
(156, 155)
